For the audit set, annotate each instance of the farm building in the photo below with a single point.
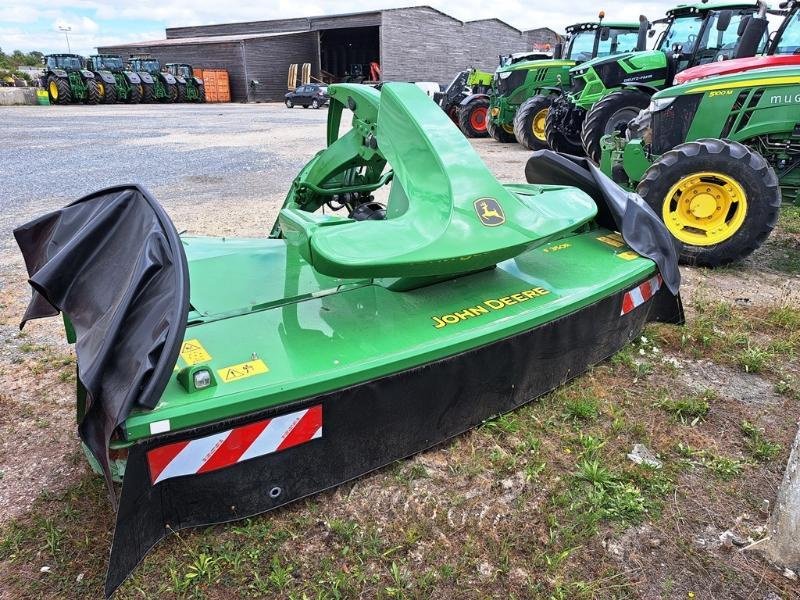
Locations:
(410, 44)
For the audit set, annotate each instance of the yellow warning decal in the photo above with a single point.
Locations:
(193, 352)
(612, 239)
(485, 307)
(628, 255)
(243, 370)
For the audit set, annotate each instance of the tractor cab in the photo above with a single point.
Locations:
(179, 70)
(63, 62)
(105, 62)
(145, 64)
(590, 40)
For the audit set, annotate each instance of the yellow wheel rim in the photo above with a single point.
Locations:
(508, 128)
(53, 90)
(538, 124)
(705, 208)
(101, 89)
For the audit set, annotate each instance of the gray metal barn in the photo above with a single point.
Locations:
(410, 44)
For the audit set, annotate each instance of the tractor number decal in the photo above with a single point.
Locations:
(226, 448)
(612, 239)
(243, 370)
(640, 294)
(489, 212)
(487, 306)
(192, 352)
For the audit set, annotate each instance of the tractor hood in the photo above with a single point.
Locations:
(757, 77)
(625, 57)
(738, 65)
(529, 65)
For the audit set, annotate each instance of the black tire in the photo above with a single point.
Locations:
(62, 89)
(305, 105)
(743, 165)
(110, 97)
(148, 93)
(315, 104)
(530, 114)
(469, 121)
(557, 139)
(201, 91)
(611, 113)
(289, 103)
(136, 93)
(181, 92)
(92, 92)
(172, 92)
(500, 133)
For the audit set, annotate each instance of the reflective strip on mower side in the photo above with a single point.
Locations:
(219, 450)
(640, 294)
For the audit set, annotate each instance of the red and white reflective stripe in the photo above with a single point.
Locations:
(640, 294)
(212, 452)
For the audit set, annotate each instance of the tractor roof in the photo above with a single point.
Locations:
(64, 55)
(105, 56)
(699, 7)
(616, 24)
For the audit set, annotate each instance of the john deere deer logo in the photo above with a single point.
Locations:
(489, 212)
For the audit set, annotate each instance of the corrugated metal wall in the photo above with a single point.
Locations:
(268, 60)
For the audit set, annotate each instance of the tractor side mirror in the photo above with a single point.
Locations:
(605, 33)
(724, 20)
(558, 51)
(677, 49)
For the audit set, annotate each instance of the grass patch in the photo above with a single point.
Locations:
(789, 219)
(757, 444)
(690, 409)
(581, 409)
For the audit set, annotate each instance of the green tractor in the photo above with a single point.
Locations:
(157, 86)
(606, 93)
(528, 88)
(121, 84)
(66, 80)
(190, 88)
(467, 84)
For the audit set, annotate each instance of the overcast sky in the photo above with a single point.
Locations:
(34, 24)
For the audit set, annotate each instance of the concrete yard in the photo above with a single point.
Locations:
(500, 512)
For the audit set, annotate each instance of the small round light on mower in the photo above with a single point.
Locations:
(202, 379)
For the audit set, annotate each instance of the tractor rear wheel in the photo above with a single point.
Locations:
(201, 93)
(172, 92)
(500, 133)
(135, 94)
(181, 92)
(93, 95)
(529, 122)
(612, 113)
(472, 118)
(560, 132)
(59, 90)
(719, 199)
(110, 96)
(148, 93)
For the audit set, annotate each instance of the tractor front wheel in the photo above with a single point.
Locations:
(181, 92)
(201, 93)
(529, 122)
(561, 127)
(500, 133)
(719, 199)
(148, 93)
(612, 113)
(135, 93)
(172, 92)
(472, 118)
(59, 91)
(110, 96)
(93, 95)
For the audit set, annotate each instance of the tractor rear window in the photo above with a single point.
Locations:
(790, 39)
(64, 62)
(111, 64)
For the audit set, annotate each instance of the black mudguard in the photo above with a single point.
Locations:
(87, 74)
(180, 80)
(107, 77)
(113, 263)
(145, 77)
(168, 78)
(618, 209)
(472, 97)
(132, 78)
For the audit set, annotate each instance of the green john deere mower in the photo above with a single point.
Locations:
(522, 92)
(67, 81)
(711, 157)
(237, 375)
(157, 86)
(190, 88)
(606, 93)
(123, 85)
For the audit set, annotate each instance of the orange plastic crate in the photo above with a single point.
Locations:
(216, 82)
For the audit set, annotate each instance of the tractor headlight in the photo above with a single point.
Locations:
(659, 104)
(579, 72)
(504, 74)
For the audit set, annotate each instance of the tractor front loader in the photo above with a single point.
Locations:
(523, 92)
(606, 93)
(67, 81)
(157, 86)
(190, 88)
(127, 85)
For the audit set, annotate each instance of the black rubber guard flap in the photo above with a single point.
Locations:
(618, 209)
(113, 263)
